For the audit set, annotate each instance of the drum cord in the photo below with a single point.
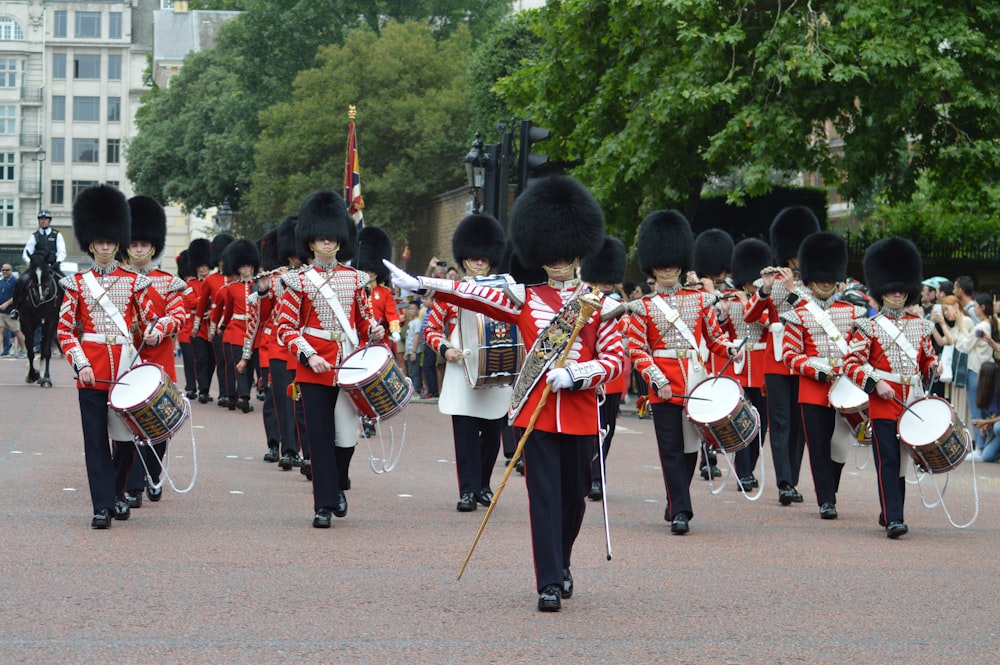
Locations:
(388, 461)
(941, 491)
(732, 469)
(164, 467)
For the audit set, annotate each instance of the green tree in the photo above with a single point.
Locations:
(410, 93)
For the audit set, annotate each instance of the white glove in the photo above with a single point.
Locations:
(401, 278)
(559, 378)
(394, 337)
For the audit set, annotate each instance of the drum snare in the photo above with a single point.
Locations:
(934, 434)
(149, 403)
(374, 382)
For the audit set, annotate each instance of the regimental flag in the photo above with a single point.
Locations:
(352, 175)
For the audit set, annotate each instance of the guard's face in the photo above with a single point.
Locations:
(894, 299)
(476, 266)
(324, 246)
(140, 251)
(823, 289)
(667, 276)
(562, 269)
(104, 251)
(246, 272)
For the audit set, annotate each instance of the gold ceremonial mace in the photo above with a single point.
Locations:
(589, 303)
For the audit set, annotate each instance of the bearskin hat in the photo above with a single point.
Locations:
(665, 239)
(219, 244)
(199, 253)
(268, 246)
(149, 222)
(374, 244)
(788, 230)
(894, 264)
(607, 266)
(750, 256)
(513, 266)
(823, 258)
(287, 246)
(324, 214)
(555, 219)
(240, 253)
(713, 253)
(184, 270)
(479, 237)
(101, 212)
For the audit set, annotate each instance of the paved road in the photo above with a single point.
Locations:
(232, 571)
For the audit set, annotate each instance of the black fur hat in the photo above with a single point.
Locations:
(184, 270)
(240, 253)
(893, 264)
(750, 256)
(555, 219)
(149, 222)
(287, 246)
(324, 214)
(101, 212)
(823, 258)
(199, 253)
(268, 246)
(374, 244)
(665, 239)
(219, 244)
(479, 237)
(515, 268)
(788, 230)
(607, 266)
(713, 253)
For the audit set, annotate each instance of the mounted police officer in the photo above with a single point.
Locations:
(48, 239)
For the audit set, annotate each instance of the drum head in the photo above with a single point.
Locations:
(846, 395)
(926, 421)
(717, 397)
(362, 365)
(136, 386)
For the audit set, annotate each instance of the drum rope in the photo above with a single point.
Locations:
(165, 467)
(388, 461)
(941, 491)
(732, 468)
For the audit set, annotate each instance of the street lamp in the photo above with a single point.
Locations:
(224, 216)
(40, 158)
(475, 171)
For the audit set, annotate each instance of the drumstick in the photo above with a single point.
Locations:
(114, 383)
(730, 361)
(902, 404)
(707, 399)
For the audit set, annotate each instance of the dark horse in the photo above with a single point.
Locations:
(38, 297)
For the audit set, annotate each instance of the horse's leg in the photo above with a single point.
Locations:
(29, 335)
(47, 335)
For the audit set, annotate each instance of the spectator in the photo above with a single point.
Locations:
(928, 297)
(988, 401)
(945, 288)
(956, 326)
(7, 322)
(414, 342)
(965, 291)
(428, 363)
(981, 345)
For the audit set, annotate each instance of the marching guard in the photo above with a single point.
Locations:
(200, 260)
(240, 313)
(203, 325)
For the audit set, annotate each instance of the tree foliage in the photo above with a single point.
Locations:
(410, 92)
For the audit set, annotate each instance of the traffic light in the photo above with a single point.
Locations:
(528, 161)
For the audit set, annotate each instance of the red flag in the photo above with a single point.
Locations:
(352, 177)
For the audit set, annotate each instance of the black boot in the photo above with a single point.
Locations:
(344, 456)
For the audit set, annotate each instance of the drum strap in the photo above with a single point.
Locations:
(897, 336)
(823, 319)
(325, 290)
(674, 319)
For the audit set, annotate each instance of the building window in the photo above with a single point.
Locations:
(87, 109)
(114, 109)
(57, 192)
(8, 119)
(114, 151)
(58, 65)
(80, 185)
(8, 73)
(115, 25)
(88, 24)
(57, 150)
(58, 107)
(10, 29)
(59, 23)
(113, 183)
(114, 67)
(166, 4)
(85, 151)
(7, 165)
(87, 66)
(7, 212)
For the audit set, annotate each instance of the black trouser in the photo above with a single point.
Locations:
(190, 375)
(318, 404)
(557, 476)
(237, 383)
(96, 447)
(428, 365)
(677, 465)
(746, 459)
(269, 411)
(284, 406)
(891, 487)
(818, 423)
(204, 363)
(609, 418)
(219, 352)
(477, 444)
(785, 422)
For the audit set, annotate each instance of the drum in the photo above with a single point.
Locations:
(722, 414)
(374, 382)
(149, 403)
(850, 402)
(936, 438)
(492, 351)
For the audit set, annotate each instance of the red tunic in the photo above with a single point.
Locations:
(385, 312)
(751, 373)
(234, 301)
(768, 310)
(190, 300)
(206, 301)
(172, 312)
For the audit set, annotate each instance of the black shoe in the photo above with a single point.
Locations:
(261, 396)
(322, 519)
(467, 503)
(786, 495)
(154, 493)
(134, 499)
(204, 399)
(191, 394)
(368, 427)
(679, 525)
(747, 483)
(306, 469)
(102, 519)
(297, 460)
(519, 467)
(550, 598)
(271, 455)
(828, 511)
(244, 405)
(895, 529)
(753, 479)
(485, 496)
(596, 494)
(223, 402)
(121, 510)
(285, 463)
(796, 496)
(567, 585)
(714, 470)
(340, 510)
